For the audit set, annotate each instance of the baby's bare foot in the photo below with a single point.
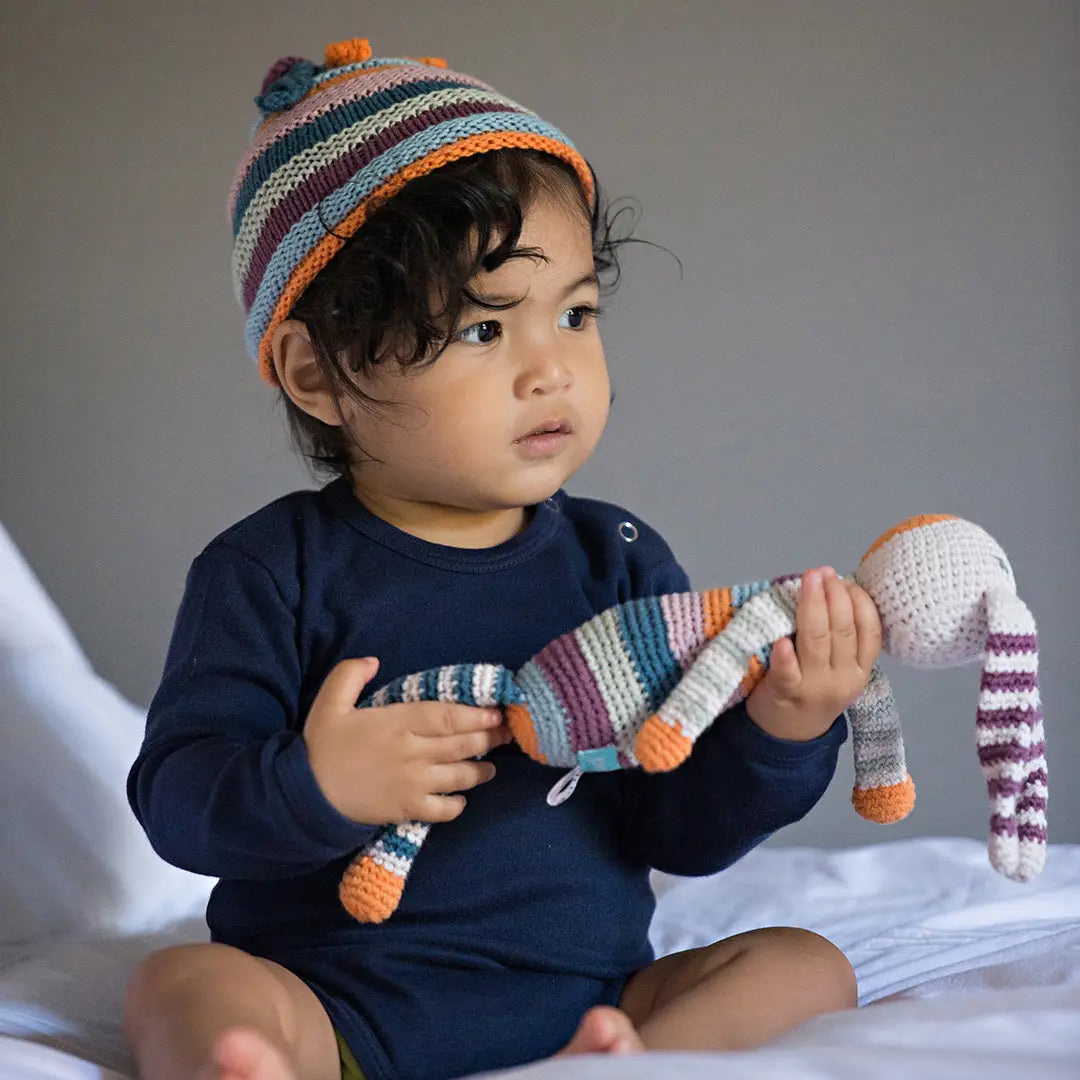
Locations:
(242, 1054)
(604, 1030)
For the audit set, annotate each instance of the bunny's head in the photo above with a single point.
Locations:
(946, 595)
(930, 577)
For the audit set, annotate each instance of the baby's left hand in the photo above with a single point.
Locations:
(809, 684)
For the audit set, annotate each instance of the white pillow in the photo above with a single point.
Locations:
(73, 859)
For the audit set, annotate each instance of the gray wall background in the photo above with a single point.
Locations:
(875, 204)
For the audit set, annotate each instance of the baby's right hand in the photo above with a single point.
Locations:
(390, 764)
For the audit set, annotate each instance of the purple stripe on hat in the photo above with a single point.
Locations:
(1009, 680)
(1011, 643)
(326, 99)
(570, 677)
(339, 171)
(1013, 752)
(1000, 717)
(1028, 830)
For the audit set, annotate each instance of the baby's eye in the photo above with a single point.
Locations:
(578, 316)
(481, 333)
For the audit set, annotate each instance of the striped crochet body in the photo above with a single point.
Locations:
(639, 683)
(629, 687)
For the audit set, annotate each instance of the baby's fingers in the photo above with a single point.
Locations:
(868, 626)
(841, 621)
(784, 666)
(461, 776)
(437, 718)
(343, 687)
(452, 778)
(470, 745)
(438, 808)
(812, 622)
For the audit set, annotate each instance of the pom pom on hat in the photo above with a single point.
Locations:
(286, 83)
(353, 51)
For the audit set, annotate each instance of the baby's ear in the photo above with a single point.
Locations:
(299, 374)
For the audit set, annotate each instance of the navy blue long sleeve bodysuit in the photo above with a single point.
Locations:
(517, 916)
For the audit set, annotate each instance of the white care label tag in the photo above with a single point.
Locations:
(564, 787)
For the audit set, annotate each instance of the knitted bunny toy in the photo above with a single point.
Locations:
(637, 685)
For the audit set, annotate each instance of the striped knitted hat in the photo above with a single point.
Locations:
(334, 140)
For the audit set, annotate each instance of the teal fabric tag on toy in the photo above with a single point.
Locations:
(601, 759)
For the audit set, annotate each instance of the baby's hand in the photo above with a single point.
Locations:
(808, 685)
(392, 764)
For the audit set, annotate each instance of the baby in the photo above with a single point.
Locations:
(420, 260)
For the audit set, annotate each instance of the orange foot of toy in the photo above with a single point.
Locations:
(660, 747)
(369, 892)
(885, 804)
(520, 722)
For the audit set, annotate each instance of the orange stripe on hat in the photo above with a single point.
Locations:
(321, 254)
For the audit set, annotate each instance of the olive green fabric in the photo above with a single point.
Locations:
(349, 1068)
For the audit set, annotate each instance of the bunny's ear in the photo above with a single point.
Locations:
(1009, 735)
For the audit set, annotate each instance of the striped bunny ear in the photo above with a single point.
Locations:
(1009, 735)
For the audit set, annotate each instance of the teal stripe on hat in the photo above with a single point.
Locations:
(311, 228)
(374, 62)
(325, 126)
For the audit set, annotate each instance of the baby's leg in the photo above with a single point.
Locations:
(739, 992)
(212, 1011)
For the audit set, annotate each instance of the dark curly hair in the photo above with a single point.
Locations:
(398, 285)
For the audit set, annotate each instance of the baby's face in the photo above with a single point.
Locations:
(463, 436)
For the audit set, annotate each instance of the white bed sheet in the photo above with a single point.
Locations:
(964, 973)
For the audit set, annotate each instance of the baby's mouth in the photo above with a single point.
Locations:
(548, 440)
(549, 428)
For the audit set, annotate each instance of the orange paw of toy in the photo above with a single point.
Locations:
(887, 804)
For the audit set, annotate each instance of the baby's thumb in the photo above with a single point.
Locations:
(343, 686)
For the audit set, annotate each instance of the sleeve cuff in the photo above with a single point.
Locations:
(311, 810)
(759, 745)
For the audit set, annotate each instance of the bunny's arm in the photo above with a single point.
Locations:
(751, 619)
(740, 784)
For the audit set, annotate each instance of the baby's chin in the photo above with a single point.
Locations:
(528, 491)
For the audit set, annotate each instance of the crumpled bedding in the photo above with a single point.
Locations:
(961, 972)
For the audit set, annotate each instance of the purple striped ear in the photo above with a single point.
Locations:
(1009, 735)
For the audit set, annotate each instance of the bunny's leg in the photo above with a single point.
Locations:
(883, 791)
(372, 885)
(374, 881)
